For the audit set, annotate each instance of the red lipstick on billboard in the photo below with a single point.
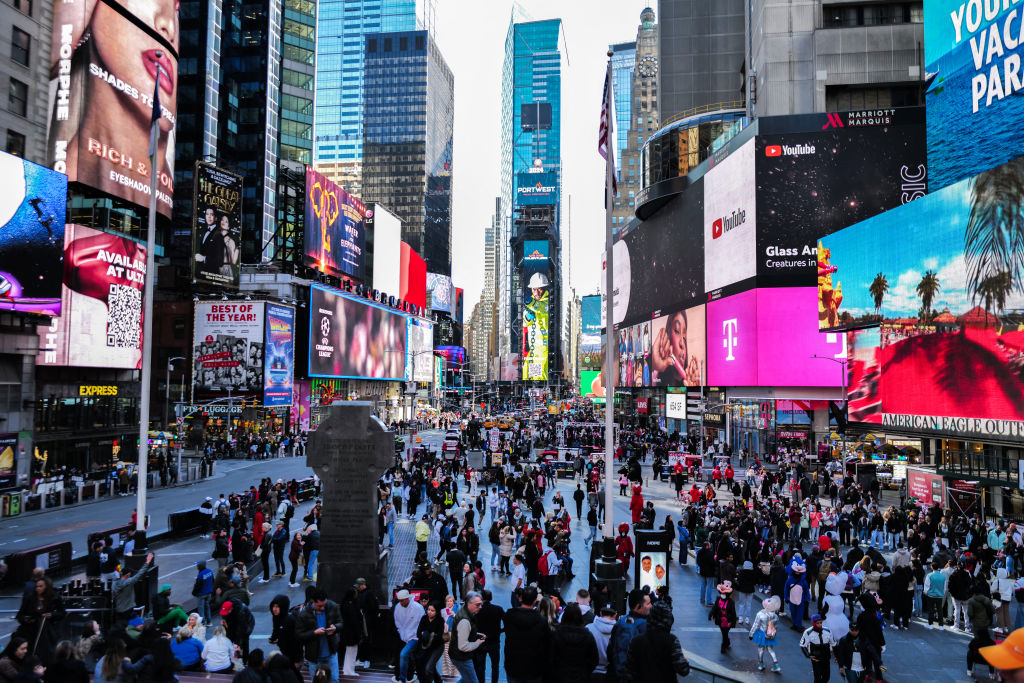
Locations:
(151, 59)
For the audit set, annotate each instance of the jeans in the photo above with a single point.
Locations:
(203, 607)
(405, 660)
(495, 556)
(707, 590)
(311, 564)
(488, 650)
(467, 673)
(1018, 614)
(876, 539)
(591, 536)
(960, 610)
(918, 608)
(330, 662)
(743, 602)
(391, 534)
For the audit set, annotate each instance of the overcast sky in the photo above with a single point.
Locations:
(471, 35)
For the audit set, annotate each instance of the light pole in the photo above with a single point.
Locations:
(167, 390)
(842, 364)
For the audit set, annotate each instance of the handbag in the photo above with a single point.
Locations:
(302, 561)
(259, 552)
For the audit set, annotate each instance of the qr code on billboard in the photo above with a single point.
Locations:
(124, 317)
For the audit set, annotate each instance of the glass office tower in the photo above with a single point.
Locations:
(623, 62)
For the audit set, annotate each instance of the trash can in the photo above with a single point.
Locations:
(5, 506)
(15, 508)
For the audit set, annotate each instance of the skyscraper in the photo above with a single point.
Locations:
(623, 61)
(407, 139)
(341, 46)
(531, 106)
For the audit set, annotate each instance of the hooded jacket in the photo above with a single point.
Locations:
(574, 653)
(601, 629)
(1002, 586)
(527, 642)
(655, 656)
(283, 629)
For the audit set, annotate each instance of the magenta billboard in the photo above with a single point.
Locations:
(769, 337)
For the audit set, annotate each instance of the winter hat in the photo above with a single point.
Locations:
(772, 604)
(724, 587)
(623, 528)
(748, 565)
(660, 617)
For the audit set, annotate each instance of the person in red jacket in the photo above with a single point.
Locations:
(694, 494)
(624, 547)
(716, 476)
(636, 504)
(729, 474)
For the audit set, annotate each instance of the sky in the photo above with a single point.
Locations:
(471, 36)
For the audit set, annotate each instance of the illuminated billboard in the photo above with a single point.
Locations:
(659, 265)
(537, 189)
(454, 356)
(100, 325)
(412, 277)
(353, 338)
(678, 348)
(103, 68)
(335, 240)
(592, 385)
(217, 226)
(420, 344)
(812, 184)
(386, 229)
(279, 362)
(536, 279)
(974, 89)
(228, 349)
(950, 349)
(441, 291)
(32, 214)
(730, 218)
(590, 324)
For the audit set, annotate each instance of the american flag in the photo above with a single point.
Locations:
(604, 143)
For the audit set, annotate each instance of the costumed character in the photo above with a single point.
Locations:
(636, 504)
(796, 591)
(624, 547)
(833, 605)
(764, 632)
(723, 612)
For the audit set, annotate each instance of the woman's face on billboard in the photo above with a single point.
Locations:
(677, 337)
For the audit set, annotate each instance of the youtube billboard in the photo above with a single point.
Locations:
(817, 174)
(730, 223)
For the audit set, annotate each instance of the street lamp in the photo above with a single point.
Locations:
(167, 389)
(842, 363)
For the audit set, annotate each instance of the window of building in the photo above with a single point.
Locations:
(371, 45)
(872, 14)
(17, 97)
(23, 6)
(15, 143)
(403, 44)
(421, 44)
(21, 44)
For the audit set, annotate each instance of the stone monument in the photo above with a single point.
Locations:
(349, 451)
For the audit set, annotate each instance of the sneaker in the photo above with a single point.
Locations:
(363, 665)
(263, 581)
(776, 669)
(760, 667)
(293, 585)
(413, 679)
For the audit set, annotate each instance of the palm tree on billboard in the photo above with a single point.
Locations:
(878, 289)
(994, 239)
(927, 288)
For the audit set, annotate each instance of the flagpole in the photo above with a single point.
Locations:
(610, 368)
(147, 319)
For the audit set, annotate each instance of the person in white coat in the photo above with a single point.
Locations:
(832, 606)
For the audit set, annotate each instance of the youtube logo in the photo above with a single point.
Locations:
(773, 151)
(716, 229)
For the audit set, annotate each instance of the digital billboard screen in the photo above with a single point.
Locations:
(590, 324)
(948, 300)
(536, 278)
(537, 189)
(32, 214)
(100, 325)
(217, 226)
(454, 356)
(353, 338)
(228, 349)
(678, 348)
(279, 361)
(441, 292)
(812, 184)
(635, 355)
(420, 343)
(974, 92)
(592, 385)
(659, 266)
(412, 277)
(730, 218)
(103, 70)
(335, 239)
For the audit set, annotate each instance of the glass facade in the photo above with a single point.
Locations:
(340, 76)
(623, 63)
(409, 96)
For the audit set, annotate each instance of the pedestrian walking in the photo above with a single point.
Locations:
(816, 643)
(764, 632)
(723, 613)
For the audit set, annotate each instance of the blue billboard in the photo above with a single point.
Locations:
(590, 323)
(537, 189)
(279, 356)
(974, 87)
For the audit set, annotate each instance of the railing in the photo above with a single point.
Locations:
(704, 109)
(991, 465)
(699, 673)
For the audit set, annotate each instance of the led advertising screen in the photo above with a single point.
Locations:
(974, 89)
(454, 356)
(386, 229)
(536, 274)
(104, 68)
(228, 349)
(413, 277)
(279, 362)
(812, 184)
(769, 337)
(590, 324)
(592, 385)
(662, 260)
(949, 301)
(441, 292)
(420, 335)
(32, 213)
(678, 351)
(100, 325)
(537, 189)
(730, 218)
(217, 232)
(335, 241)
(653, 569)
(635, 355)
(354, 338)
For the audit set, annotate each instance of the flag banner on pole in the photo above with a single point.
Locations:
(604, 135)
(154, 121)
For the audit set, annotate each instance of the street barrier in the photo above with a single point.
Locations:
(54, 558)
(185, 522)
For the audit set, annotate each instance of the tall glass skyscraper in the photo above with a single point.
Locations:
(341, 46)
(409, 96)
(623, 63)
(531, 74)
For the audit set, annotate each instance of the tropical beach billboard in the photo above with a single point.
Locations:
(942, 279)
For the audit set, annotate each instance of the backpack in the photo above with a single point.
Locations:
(542, 565)
(824, 569)
(289, 511)
(250, 620)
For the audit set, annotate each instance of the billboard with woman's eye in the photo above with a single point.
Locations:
(105, 59)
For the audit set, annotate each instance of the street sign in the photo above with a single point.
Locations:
(181, 421)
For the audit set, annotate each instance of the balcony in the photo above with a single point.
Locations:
(992, 465)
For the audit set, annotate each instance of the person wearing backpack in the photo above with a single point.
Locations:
(238, 622)
(625, 630)
(202, 589)
(960, 591)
